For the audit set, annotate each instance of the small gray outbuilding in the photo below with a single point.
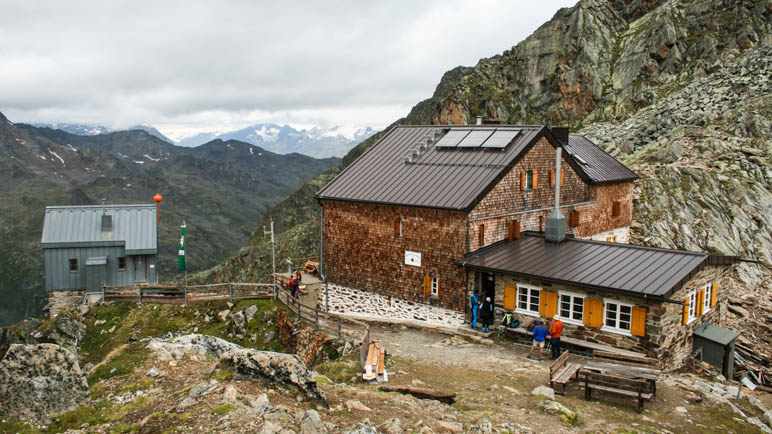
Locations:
(85, 247)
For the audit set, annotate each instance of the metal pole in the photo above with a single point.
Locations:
(273, 260)
(557, 177)
(186, 285)
(321, 260)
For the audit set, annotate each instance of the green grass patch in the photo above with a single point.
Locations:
(15, 426)
(222, 375)
(124, 428)
(122, 364)
(323, 380)
(142, 384)
(340, 370)
(223, 409)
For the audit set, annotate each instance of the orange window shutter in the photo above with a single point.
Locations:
(481, 236)
(522, 180)
(542, 304)
(552, 303)
(608, 239)
(713, 294)
(593, 313)
(700, 302)
(535, 179)
(517, 230)
(511, 230)
(552, 178)
(562, 176)
(638, 324)
(427, 286)
(510, 295)
(686, 311)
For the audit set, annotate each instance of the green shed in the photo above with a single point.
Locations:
(717, 345)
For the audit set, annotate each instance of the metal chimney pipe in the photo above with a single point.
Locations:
(558, 152)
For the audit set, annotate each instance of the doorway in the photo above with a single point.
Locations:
(140, 269)
(488, 286)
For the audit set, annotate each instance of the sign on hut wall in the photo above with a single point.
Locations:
(412, 258)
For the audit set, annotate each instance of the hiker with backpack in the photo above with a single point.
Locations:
(474, 304)
(487, 314)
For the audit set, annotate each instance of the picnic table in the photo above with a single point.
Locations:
(627, 370)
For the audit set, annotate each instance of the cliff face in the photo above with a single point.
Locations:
(678, 90)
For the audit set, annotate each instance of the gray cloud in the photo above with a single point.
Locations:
(196, 65)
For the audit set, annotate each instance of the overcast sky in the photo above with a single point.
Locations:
(193, 66)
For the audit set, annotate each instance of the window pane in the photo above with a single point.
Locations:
(624, 325)
(611, 314)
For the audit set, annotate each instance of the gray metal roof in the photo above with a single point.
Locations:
(133, 226)
(716, 334)
(455, 177)
(591, 264)
(598, 165)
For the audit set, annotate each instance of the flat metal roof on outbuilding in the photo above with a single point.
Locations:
(716, 334)
(634, 270)
(447, 173)
(133, 226)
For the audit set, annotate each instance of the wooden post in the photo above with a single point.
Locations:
(230, 288)
(297, 303)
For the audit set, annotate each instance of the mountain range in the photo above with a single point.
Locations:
(281, 139)
(221, 189)
(678, 90)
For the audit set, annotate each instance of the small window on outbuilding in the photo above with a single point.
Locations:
(616, 209)
(528, 180)
(73, 265)
(121, 263)
(398, 228)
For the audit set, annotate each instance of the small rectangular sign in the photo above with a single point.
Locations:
(412, 258)
(748, 383)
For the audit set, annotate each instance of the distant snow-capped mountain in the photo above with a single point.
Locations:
(315, 142)
(93, 130)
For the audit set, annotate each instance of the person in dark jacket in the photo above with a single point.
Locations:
(486, 314)
(474, 304)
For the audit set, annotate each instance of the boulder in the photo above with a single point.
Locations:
(544, 390)
(261, 404)
(40, 381)
(230, 395)
(310, 422)
(392, 426)
(187, 402)
(553, 407)
(285, 369)
(154, 372)
(356, 405)
(223, 315)
(363, 428)
(250, 313)
(193, 345)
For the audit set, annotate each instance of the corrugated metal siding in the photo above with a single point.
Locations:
(619, 267)
(600, 167)
(57, 267)
(438, 178)
(134, 225)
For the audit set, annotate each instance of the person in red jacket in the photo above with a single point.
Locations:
(556, 329)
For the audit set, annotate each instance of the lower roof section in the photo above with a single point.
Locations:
(622, 268)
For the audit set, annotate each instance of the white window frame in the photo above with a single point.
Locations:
(528, 288)
(692, 307)
(435, 291)
(616, 329)
(573, 295)
(708, 295)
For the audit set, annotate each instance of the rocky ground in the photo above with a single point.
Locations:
(194, 383)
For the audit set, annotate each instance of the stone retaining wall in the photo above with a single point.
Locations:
(59, 300)
(378, 307)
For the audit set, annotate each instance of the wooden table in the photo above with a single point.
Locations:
(638, 372)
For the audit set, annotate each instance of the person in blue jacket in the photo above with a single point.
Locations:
(474, 304)
(539, 337)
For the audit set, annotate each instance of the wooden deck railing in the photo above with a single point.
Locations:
(187, 294)
(331, 323)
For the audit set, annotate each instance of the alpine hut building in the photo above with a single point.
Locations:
(431, 213)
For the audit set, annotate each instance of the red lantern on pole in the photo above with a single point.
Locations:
(157, 198)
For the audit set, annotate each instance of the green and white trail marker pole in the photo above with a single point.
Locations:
(181, 258)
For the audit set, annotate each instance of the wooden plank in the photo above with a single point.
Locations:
(421, 393)
(625, 357)
(382, 361)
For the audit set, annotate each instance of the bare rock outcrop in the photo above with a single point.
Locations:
(40, 381)
(281, 368)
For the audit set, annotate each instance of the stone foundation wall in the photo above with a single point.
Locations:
(59, 300)
(374, 306)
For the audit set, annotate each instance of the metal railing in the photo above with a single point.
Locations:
(330, 323)
(165, 294)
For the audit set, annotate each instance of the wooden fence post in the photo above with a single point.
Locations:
(230, 287)
(297, 303)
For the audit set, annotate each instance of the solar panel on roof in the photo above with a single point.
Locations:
(501, 138)
(475, 138)
(452, 138)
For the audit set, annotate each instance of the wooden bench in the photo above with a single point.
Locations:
(626, 359)
(562, 372)
(637, 367)
(639, 390)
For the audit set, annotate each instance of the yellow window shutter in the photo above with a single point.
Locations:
(686, 311)
(548, 304)
(638, 325)
(593, 313)
(522, 180)
(510, 295)
(427, 286)
(713, 294)
(562, 176)
(608, 239)
(700, 302)
(552, 178)
(535, 179)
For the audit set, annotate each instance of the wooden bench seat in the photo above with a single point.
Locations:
(562, 372)
(639, 390)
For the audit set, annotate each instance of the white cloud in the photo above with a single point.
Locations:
(187, 66)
